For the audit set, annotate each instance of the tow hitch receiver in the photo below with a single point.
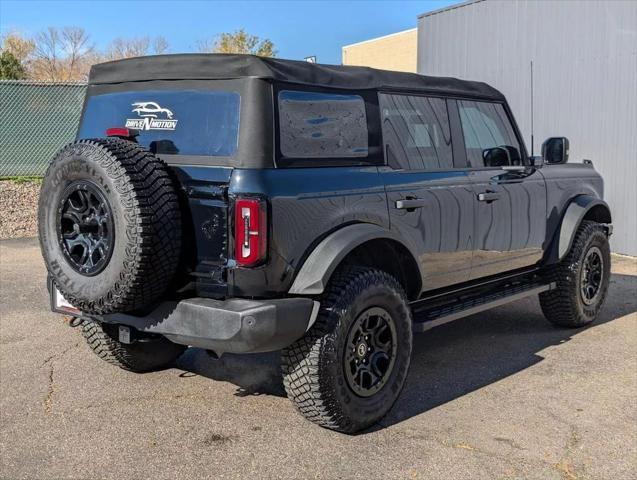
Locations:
(124, 334)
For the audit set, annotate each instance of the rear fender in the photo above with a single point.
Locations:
(328, 255)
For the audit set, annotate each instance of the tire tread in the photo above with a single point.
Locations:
(560, 305)
(311, 393)
(141, 357)
(151, 209)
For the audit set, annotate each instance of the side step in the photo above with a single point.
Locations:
(427, 317)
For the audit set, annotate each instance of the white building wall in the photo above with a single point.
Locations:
(584, 56)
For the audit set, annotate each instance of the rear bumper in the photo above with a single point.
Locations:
(227, 326)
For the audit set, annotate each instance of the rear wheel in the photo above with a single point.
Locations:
(581, 279)
(348, 370)
(151, 353)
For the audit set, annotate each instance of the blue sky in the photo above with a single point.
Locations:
(297, 28)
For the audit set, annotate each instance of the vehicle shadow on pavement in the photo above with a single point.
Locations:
(447, 362)
(468, 354)
(253, 374)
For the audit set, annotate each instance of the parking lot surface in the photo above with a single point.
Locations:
(501, 394)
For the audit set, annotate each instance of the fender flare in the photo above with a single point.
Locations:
(330, 252)
(577, 209)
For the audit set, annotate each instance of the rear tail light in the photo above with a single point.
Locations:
(250, 231)
(127, 133)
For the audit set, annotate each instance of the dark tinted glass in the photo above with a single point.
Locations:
(322, 125)
(485, 127)
(170, 122)
(416, 132)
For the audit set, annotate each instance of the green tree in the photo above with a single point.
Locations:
(239, 42)
(10, 67)
(19, 46)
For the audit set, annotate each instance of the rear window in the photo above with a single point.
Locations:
(322, 125)
(170, 122)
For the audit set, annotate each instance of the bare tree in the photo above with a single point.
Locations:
(46, 65)
(75, 42)
(206, 45)
(127, 48)
(135, 47)
(238, 42)
(61, 55)
(67, 54)
(160, 45)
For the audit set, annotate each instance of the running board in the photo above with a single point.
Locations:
(428, 318)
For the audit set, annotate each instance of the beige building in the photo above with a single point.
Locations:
(391, 52)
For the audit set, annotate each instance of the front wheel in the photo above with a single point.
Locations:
(581, 279)
(349, 368)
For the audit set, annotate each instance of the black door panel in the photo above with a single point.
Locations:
(441, 229)
(509, 206)
(510, 229)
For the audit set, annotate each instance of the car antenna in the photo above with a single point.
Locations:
(532, 140)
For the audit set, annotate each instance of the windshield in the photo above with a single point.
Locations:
(184, 122)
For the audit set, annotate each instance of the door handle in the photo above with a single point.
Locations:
(410, 203)
(488, 197)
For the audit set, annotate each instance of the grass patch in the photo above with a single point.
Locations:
(22, 179)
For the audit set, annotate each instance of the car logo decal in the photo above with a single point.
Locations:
(151, 117)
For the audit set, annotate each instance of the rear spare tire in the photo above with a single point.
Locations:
(109, 225)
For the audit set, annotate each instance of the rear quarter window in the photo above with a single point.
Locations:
(322, 125)
(184, 122)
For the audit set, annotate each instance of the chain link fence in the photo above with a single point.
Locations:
(37, 119)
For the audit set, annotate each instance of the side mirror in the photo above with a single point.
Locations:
(496, 157)
(501, 156)
(555, 150)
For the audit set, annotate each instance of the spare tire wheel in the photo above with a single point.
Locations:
(109, 225)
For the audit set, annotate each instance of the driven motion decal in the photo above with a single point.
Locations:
(152, 117)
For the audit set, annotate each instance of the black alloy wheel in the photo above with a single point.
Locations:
(592, 275)
(370, 352)
(85, 227)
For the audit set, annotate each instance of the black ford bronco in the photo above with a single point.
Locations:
(243, 204)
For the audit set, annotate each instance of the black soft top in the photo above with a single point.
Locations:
(216, 66)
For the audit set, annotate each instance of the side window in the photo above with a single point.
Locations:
(488, 135)
(416, 132)
(322, 125)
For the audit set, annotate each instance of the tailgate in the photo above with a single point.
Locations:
(205, 226)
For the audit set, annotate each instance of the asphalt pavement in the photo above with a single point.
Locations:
(498, 395)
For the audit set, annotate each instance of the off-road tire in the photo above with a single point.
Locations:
(140, 193)
(140, 356)
(564, 306)
(313, 367)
